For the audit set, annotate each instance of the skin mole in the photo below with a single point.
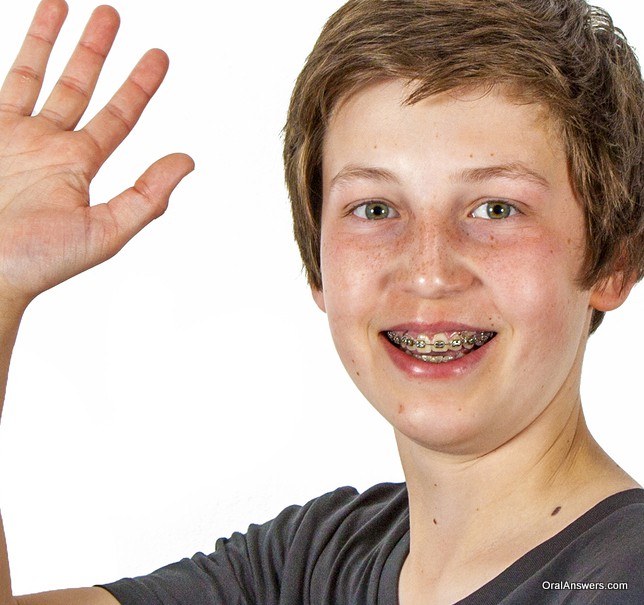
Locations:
(556, 511)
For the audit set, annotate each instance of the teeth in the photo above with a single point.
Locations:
(408, 343)
(440, 343)
(448, 347)
(456, 344)
(439, 358)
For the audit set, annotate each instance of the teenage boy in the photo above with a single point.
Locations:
(466, 180)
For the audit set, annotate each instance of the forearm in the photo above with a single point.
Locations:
(10, 316)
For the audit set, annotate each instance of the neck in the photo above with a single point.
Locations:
(482, 512)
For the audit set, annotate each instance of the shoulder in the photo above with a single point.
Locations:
(615, 526)
(337, 546)
(617, 540)
(605, 550)
(596, 560)
(348, 500)
(341, 510)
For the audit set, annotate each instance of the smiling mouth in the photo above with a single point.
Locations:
(439, 348)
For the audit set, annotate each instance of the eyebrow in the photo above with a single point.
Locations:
(513, 170)
(354, 172)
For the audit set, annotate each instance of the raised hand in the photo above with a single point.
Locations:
(48, 230)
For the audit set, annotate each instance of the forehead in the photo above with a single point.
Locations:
(392, 98)
(452, 130)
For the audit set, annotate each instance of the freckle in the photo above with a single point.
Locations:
(491, 238)
(435, 484)
(435, 522)
(556, 511)
(401, 408)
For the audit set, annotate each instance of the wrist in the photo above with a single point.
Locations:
(11, 312)
(12, 303)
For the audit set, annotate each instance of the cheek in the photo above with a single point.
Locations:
(536, 288)
(351, 276)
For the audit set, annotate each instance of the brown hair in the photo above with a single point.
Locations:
(562, 53)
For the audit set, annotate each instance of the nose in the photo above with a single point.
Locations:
(435, 260)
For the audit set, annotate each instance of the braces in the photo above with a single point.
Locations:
(457, 342)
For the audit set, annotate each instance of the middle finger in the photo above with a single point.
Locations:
(71, 94)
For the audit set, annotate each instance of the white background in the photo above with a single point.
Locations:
(189, 386)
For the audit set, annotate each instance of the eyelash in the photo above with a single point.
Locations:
(361, 211)
(512, 210)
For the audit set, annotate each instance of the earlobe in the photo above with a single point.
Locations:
(611, 292)
(318, 297)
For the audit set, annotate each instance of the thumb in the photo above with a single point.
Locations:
(148, 198)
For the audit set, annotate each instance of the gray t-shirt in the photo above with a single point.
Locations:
(346, 548)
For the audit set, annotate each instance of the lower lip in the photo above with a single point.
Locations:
(416, 368)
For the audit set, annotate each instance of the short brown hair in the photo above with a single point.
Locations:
(562, 53)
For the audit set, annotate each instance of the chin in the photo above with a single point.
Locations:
(450, 428)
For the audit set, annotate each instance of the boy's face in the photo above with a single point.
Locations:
(451, 244)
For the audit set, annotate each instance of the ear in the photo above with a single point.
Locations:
(318, 297)
(611, 292)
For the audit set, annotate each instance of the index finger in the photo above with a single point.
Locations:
(22, 85)
(109, 127)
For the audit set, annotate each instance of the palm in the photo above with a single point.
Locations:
(42, 209)
(48, 230)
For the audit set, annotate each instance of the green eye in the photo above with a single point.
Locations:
(494, 210)
(374, 211)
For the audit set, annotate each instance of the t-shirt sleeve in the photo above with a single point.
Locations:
(241, 568)
(245, 568)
